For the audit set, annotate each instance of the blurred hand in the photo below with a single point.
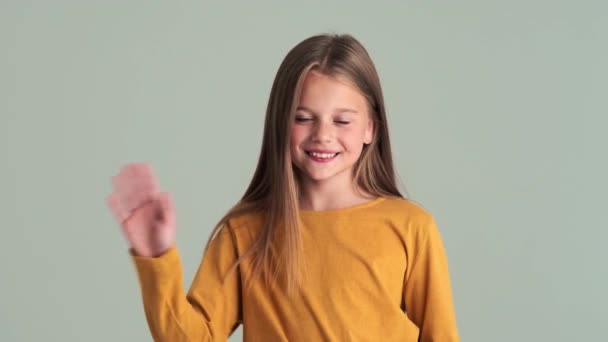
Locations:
(146, 216)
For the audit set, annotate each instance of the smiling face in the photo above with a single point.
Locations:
(331, 125)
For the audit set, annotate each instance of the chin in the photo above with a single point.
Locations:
(323, 176)
(319, 178)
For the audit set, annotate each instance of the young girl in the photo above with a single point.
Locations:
(322, 246)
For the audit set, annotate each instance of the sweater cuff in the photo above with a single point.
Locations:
(159, 269)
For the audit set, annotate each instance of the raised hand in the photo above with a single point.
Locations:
(146, 216)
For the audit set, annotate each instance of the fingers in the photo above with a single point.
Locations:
(119, 213)
(134, 185)
(144, 176)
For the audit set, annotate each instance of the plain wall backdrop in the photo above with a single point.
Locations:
(497, 114)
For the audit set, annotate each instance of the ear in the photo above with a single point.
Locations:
(369, 132)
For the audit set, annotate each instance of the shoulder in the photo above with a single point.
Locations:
(236, 231)
(245, 225)
(245, 220)
(405, 210)
(410, 217)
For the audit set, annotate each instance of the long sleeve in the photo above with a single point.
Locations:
(209, 311)
(427, 289)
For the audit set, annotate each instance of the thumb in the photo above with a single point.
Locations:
(167, 208)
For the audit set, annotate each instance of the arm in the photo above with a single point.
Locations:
(427, 289)
(209, 311)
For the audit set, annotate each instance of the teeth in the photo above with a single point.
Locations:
(323, 155)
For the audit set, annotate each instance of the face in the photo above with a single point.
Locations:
(331, 125)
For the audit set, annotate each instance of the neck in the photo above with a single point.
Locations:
(330, 195)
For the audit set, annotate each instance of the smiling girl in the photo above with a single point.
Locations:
(322, 246)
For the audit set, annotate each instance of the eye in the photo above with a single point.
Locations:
(342, 122)
(302, 119)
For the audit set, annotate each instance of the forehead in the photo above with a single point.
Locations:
(321, 92)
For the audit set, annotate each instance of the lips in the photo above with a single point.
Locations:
(322, 157)
(318, 154)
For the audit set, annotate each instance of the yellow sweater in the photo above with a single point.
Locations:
(376, 272)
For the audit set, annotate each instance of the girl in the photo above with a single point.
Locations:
(322, 246)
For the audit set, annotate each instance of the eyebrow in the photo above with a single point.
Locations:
(338, 110)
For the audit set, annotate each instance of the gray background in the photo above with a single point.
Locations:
(497, 112)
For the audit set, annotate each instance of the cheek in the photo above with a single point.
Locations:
(298, 134)
(294, 140)
(354, 139)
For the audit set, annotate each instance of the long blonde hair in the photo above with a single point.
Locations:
(274, 188)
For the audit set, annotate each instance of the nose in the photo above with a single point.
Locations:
(323, 131)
